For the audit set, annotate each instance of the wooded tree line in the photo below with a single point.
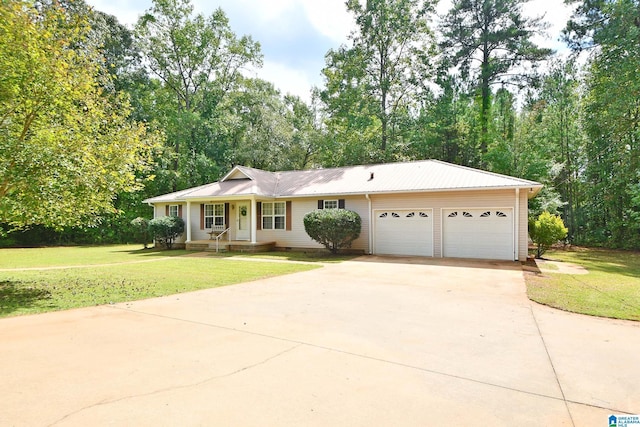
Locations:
(168, 105)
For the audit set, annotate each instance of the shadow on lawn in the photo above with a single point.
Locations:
(15, 296)
(153, 252)
(625, 263)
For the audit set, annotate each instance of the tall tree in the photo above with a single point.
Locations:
(562, 126)
(612, 117)
(495, 35)
(198, 61)
(444, 127)
(67, 148)
(371, 85)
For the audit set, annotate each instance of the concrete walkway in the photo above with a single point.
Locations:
(369, 342)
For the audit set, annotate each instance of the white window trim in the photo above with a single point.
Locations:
(332, 201)
(213, 215)
(177, 210)
(273, 215)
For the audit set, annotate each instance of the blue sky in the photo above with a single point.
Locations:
(296, 34)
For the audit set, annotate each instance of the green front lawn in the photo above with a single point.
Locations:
(125, 279)
(78, 255)
(610, 289)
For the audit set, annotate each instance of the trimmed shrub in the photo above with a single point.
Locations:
(333, 228)
(545, 231)
(141, 230)
(166, 229)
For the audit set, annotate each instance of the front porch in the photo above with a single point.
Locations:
(229, 246)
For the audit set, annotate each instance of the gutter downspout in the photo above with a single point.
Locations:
(516, 234)
(370, 225)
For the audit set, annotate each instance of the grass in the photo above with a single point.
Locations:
(610, 289)
(125, 278)
(78, 255)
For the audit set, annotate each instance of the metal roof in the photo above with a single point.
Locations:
(418, 176)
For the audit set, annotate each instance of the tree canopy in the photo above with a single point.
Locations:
(92, 111)
(67, 148)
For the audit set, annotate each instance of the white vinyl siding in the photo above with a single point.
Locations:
(437, 201)
(298, 238)
(523, 227)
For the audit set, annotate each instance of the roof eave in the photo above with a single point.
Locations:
(532, 191)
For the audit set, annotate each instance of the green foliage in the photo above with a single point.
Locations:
(611, 119)
(545, 231)
(142, 231)
(67, 148)
(611, 289)
(166, 229)
(495, 33)
(372, 85)
(73, 84)
(197, 60)
(333, 228)
(267, 131)
(117, 274)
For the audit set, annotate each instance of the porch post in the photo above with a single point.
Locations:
(188, 221)
(254, 219)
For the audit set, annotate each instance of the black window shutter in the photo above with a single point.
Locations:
(259, 215)
(340, 203)
(320, 204)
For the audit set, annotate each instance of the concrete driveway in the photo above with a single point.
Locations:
(369, 342)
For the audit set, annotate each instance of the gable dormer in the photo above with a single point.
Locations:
(238, 172)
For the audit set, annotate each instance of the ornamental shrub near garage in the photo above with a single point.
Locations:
(545, 231)
(166, 229)
(333, 228)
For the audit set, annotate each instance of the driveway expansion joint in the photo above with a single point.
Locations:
(363, 356)
(553, 368)
(176, 387)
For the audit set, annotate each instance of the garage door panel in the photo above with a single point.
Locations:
(478, 233)
(404, 232)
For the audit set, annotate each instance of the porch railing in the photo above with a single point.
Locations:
(219, 236)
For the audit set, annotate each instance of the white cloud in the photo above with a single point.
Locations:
(126, 11)
(330, 18)
(288, 80)
(296, 34)
(555, 14)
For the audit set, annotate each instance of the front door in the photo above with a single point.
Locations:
(243, 232)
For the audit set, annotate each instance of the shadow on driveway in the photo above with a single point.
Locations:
(442, 262)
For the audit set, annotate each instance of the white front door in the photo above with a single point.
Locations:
(243, 230)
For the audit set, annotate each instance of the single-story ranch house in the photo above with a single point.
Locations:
(426, 208)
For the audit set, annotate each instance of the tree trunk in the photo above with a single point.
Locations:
(486, 95)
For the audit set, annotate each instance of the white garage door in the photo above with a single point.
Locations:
(404, 232)
(478, 233)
